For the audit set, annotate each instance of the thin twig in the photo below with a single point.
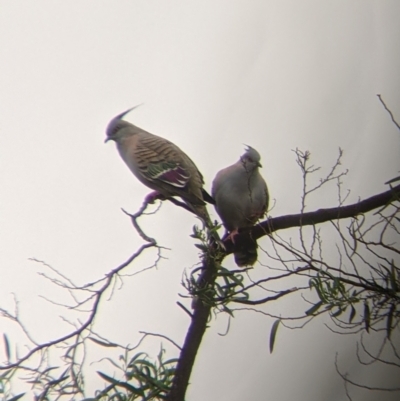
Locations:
(389, 111)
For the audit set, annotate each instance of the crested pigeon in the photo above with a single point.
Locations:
(160, 165)
(241, 198)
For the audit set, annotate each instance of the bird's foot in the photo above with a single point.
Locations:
(231, 236)
(256, 216)
(153, 196)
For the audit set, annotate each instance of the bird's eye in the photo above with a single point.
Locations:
(115, 130)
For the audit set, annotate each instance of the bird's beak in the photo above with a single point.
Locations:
(259, 164)
(107, 139)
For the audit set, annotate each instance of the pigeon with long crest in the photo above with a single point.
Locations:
(160, 165)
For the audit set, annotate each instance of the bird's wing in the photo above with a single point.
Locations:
(169, 172)
(159, 160)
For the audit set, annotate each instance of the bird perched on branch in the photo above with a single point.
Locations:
(160, 165)
(241, 197)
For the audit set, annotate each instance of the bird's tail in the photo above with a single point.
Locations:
(246, 255)
(201, 211)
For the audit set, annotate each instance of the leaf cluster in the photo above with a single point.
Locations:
(144, 380)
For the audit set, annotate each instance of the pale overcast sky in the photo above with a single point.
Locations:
(212, 75)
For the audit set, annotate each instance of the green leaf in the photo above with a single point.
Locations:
(392, 277)
(367, 316)
(312, 282)
(320, 291)
(328, 286)
(122, 384)
(102, 343)
(202, 247)
(227, 310)
(57, 381)
(196, 232)
(108, 378)
(49, 369)
(352, 313)
(17, 397)
(389, 321)
(6, 346)
(314, 308)
(159, 384)
(272, 336)
(136, 357)
(172, 360)
(338, 312)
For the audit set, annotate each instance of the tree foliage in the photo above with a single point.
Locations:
(345, 260)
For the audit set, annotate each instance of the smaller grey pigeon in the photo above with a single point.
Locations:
(160, 165)
(241, 198)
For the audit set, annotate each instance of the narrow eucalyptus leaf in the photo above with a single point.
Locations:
(367, 316)
(159, 384)
(17, 397)
(49, 369)
(393, 281)
(57, 381)
(201, 247)
(7, 346)
(135, 357)
(107, 378)
(389, 321)
(314, 308)
(337, 313)
(352, 313)
(312, 283)
(272, 336)
(102, 343)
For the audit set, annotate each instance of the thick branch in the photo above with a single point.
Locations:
(311, 218)
(194, 336)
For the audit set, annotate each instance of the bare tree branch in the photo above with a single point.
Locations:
(311, 218)
(389, 111)
(194, 336)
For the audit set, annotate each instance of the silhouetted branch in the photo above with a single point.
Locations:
(194, 335)
(311, 218)
(97, 298)
(345, 377)
(267, 299)
(215, 288)
(389, 111)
